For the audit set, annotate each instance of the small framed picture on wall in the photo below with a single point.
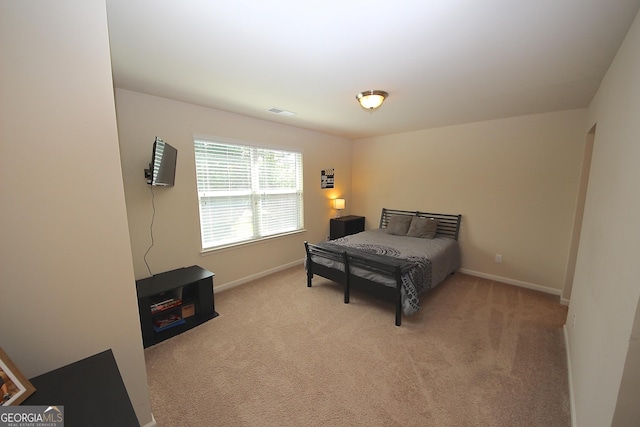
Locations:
(327, 178)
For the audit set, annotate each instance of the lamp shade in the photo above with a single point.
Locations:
(371, 99)
(338, 203)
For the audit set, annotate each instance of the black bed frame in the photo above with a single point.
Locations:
(448, 225)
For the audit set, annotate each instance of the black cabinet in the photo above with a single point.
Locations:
(173, 302)
(343, 226)
(91, 391)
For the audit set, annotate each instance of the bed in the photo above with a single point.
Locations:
(410, 253)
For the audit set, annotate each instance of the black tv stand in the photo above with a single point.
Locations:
(175, 301)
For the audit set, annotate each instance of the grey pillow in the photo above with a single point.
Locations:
(425, 228)
(398, 225)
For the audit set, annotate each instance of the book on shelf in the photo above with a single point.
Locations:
(170, 325)
(166, 322)
(165, 305)
(162, 321)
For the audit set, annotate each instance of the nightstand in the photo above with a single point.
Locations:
(343, 226)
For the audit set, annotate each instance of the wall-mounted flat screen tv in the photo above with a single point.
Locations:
(162, 169)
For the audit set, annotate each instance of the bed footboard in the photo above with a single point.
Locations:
(351, 269)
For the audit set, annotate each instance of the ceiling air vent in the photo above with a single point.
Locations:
(280, 111)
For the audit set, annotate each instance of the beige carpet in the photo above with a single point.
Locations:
(479, 353)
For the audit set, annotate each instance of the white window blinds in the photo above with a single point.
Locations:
(247, 193)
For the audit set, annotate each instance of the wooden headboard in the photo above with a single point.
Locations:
(448, 224)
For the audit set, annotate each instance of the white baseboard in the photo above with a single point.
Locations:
(506, 280)
(247, 279)
(514, 282)
(572, 401)
(152, 423)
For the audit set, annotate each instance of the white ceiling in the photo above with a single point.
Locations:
(443, 62)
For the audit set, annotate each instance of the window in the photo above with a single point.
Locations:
(247, 193)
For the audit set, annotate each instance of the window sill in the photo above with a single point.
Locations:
(205, 252)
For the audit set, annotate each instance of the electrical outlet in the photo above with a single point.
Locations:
(498, 258)
(573, 321)
(327, 237)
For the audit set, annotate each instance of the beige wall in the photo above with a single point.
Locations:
(65, 260)
(605, 289)
(176, 226)
(513, 180)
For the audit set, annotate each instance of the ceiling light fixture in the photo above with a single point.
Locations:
(371, 99)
